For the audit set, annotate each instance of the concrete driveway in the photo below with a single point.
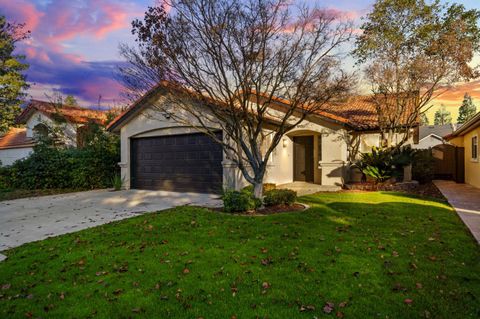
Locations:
(32, 219)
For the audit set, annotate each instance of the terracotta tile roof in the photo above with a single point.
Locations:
(16, 138)
(358, 112)
(73, 114)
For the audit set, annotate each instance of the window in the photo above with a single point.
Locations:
(475, 148)
(40, 131)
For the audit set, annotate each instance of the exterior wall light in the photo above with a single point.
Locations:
(284, 142)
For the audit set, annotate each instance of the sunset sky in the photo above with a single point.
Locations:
(74, 44)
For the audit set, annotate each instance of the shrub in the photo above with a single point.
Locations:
(117, 182)
(384, 163)
(51, 166)
(280, 197)
(377, 173)
(235, 201)
(423, 167)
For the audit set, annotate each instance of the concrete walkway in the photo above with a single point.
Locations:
(465, 199)
(32, 219)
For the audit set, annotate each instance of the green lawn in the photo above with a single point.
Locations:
(367, 253)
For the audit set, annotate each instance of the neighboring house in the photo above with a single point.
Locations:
(158, 153)
(36, 118)
(467, 137)
(15, 145)
(432, 135)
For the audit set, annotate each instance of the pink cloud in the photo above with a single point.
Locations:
(54, 26)
(454, 95)
(21, 11)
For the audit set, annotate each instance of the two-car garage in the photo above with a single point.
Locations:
(181, 163)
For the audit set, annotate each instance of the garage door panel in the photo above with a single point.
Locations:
(191, 162)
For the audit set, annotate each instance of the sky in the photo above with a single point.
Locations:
(73, 48)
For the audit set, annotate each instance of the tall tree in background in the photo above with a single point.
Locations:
(412, 51)
(12, 80)
(70, 100)
(230, 60)
(424, 119)
(442, 116)
(467, 110)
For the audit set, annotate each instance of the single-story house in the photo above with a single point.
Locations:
(432, 135)
(467, 136)
(160, 153)
(18, 142)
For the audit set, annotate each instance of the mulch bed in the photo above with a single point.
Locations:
(424, 190)
(427, 190)
(268, 210)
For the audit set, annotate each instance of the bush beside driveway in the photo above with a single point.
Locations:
(352, 255)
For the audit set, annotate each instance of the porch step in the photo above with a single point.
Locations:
(303, 188)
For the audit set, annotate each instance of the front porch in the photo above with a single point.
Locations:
(304, 188)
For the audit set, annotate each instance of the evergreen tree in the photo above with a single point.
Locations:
(467, 110)
(12, 80)
(70, 100)
(424, 119)
(442, 116)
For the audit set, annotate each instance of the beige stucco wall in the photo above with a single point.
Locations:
(328, 171)
(472, 166)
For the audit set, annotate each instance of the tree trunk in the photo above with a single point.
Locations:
(258, 190)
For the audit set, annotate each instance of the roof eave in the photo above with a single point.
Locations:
(473, 123)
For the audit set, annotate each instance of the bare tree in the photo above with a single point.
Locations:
(413, 51)
(235, 59)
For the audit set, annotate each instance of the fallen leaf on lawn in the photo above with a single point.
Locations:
(264, 250)
(307, 308)
(265, 285)
(266, 261)
(136, 310)
(432, 258)
(340, 314)
(394, 253)
(117, 292)
(408, 301)
(81, 262)
(62, 295)
(186, 271)
(343, 304)
(399, 287)
(419, 285)
(6, 286)
(29, 314)
(328, 308)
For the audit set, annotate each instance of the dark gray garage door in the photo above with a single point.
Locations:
(183, 163)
